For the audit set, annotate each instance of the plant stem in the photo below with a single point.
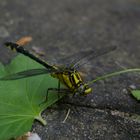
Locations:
(114, 74)
(39, 118)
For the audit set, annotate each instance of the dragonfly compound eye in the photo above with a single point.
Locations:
(84, 90)
(87, 90)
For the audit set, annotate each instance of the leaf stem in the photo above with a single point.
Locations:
(114, 74)
(39, 118)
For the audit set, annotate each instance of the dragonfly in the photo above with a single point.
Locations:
(67, 74)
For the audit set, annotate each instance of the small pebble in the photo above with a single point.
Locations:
(38, 51)
(132, 86)
(125, 91)
(34, 136)
(29, 136)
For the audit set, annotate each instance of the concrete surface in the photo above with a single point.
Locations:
(64, 27)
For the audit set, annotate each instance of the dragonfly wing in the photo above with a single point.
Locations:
(92, 54)
(82, 57)
(26, 73)
(74, 57)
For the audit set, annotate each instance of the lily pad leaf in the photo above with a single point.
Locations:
(20, 99)
(136, 94)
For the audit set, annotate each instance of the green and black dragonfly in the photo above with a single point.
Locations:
(67, 74)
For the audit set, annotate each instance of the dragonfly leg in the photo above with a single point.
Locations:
(59, 89)
(46, 97)
(56, 90)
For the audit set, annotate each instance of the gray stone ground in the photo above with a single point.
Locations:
(63, 27)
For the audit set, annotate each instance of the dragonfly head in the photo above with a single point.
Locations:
(88, 90)
(84, 89)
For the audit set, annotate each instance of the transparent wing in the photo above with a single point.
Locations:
(69, 60)
(26, 73)
(93, 54)
(82, 57)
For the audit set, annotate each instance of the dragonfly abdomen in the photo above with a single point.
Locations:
(20, 49)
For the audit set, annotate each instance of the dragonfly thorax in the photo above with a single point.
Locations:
(72, 79)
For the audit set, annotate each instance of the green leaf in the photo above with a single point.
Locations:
(20, 99)
(136, 94)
